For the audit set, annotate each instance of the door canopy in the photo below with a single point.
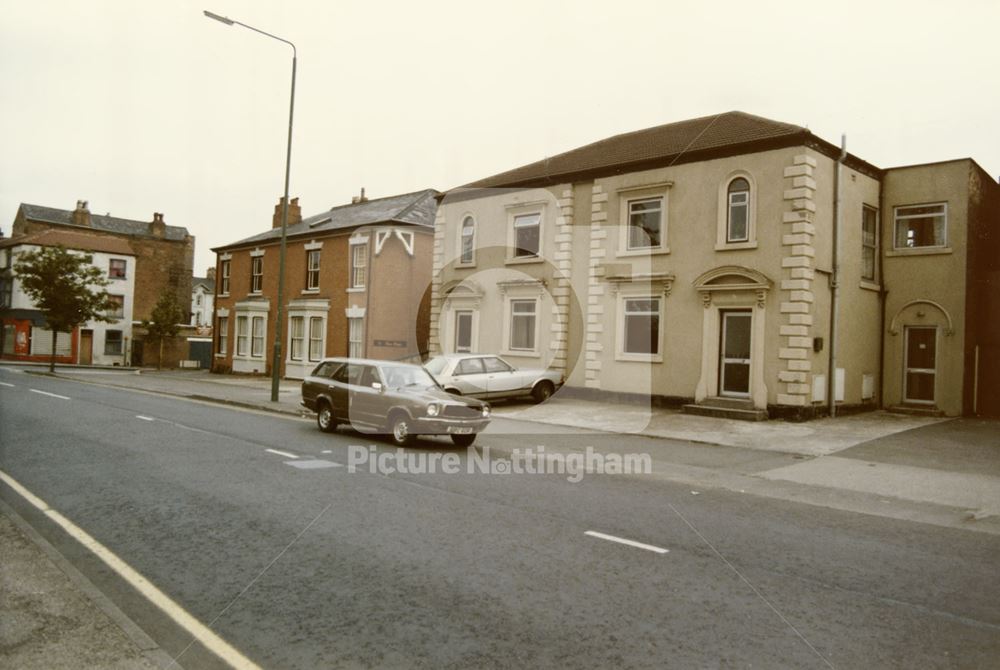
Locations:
(731, 278)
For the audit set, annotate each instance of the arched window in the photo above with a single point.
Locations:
(468, 241)
(738, 218)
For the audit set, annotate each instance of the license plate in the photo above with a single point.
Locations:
(459, 430)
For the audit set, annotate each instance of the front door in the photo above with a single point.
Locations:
(86, 347)
(734, 363)
(921, 364)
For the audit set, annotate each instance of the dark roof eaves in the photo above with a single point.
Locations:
(802, 138)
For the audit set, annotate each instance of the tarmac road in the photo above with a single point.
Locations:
(320, 567)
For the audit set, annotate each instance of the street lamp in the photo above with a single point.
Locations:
(276, 361)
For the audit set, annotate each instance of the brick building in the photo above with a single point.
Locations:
(25, 335)
(357, 280)
(164, 259)
(164, 254)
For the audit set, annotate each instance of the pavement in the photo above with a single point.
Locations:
(943, 471)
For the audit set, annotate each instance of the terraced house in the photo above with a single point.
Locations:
(356, 283)
(732, 264)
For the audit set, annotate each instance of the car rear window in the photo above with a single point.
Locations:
(470, 366)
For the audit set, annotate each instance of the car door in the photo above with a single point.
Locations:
(339, 390)
(367, 397)
(501, 378)
(470, 377)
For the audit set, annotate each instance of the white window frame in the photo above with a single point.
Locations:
(256, 274)
(624, 297)
(317, 345)
(312, 271)
(242, 335)
(519, 211)
(897, 218)
(355, 337)
(723, 242)
(224, 269)
(255, 338)
(462, 262)
(223, 341)
(355, 269)
(634, 194)
(296, 337)
(472, 330)
(508, 326)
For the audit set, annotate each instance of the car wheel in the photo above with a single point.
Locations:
(542, 392)
(324, 418)
(399, 429)
(463, 440)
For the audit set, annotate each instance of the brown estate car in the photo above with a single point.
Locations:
(400, 399)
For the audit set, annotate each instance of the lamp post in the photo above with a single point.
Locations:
(276, 360)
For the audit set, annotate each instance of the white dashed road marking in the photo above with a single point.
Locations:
(281, 453)
(181, 617)
(51, 395)
(6, 384)
(144, 418)
(631, 543)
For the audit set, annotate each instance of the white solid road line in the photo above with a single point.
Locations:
(144, 418)
(631, 543)
(281, 453)
(6, 384)
(180, 616)
(51, 395)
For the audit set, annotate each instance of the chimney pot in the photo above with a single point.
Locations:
(81, 215)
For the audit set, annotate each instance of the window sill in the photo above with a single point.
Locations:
(638, 358)
(735, 246)
(464, 266)
(222, 295)
(222, 355)
(310, 291)
(255, 293)
(357, 289)
(522, 354)
(651, 251)
(524, 260)
(870, 285)
(919, 251)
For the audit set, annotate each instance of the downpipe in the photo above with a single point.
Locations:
(831, 382)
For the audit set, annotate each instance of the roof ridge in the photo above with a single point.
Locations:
(369, 200)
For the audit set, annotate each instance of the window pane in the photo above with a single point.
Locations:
(522, 324)
(738, 185)
(494, 364)
(470, 366)
(738, 229)
(527, 241)
(644, 226)
(642, 334)
(868, 263)
(315, 338)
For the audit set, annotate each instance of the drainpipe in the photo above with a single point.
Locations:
(883, 296)
(831, 382)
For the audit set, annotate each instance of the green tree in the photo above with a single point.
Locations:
(65, 287)
(164, 322)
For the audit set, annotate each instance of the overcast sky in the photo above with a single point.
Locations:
(142, 107)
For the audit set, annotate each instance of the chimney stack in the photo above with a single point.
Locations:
(81, 215)
(158, 228)
(210, 274)
(358, 199)
(294, 213)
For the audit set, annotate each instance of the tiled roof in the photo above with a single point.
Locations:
(204, 281)
(666, 144)
(72, 240)
(416, 208)
(102, 222)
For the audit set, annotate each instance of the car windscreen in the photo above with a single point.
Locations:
(400, 376)
(436, 365)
